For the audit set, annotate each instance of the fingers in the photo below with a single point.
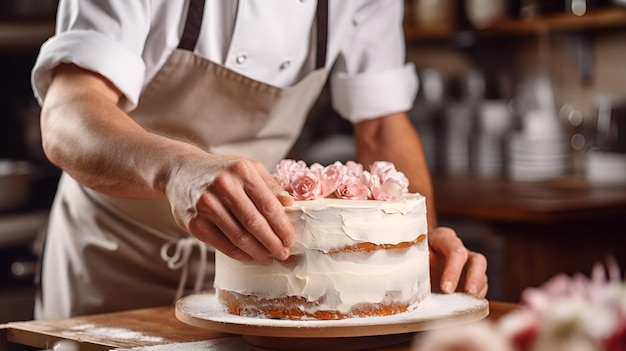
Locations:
(261, 189)
(213, 210)
(272, 210)
(475, 277)
(459, 264)
(213, 236)
(445, 243)
(244, 207)
(484, 290)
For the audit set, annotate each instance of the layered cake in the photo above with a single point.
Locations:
(353, 257)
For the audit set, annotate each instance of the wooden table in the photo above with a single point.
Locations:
(550, 227)
(128, 329)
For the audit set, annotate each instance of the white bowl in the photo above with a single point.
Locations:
(604, 167)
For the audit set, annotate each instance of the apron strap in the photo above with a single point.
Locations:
(322, 33)
(180, 259)
(193, 23)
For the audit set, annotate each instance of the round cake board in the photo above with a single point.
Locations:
(438, 311)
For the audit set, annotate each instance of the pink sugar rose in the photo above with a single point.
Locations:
(329, 177)
(352, 188)
(382, 168)
(284, 171)
(345, 181)
(306, 185)
(389, 190)
(354, 168)
(386, 170)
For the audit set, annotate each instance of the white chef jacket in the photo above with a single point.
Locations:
(128, 41)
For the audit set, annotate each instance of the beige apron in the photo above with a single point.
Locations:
(104, 253)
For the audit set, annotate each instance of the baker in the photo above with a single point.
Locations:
(165, 117)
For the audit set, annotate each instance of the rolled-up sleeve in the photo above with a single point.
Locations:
(101, 38)
(371, 77)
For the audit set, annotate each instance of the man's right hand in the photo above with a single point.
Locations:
(233, 204)
(227, 201)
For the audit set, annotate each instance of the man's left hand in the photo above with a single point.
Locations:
(453, 267)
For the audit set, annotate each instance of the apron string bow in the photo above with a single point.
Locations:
(180, 259)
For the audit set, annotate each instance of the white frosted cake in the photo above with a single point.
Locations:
(361, 248)
(351, 259)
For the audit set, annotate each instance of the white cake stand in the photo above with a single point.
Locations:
(440, 310)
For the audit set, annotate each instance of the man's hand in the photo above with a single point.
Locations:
(453, 267)
(233, 204)
(227, 201)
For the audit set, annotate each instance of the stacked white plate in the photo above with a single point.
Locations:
(603, 167)
(540, 151)
(537, 158)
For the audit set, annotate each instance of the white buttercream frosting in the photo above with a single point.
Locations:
(342, 279)
(329, 224)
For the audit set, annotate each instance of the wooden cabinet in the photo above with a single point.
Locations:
(550, 227)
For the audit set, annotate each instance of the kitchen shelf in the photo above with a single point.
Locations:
(596, 19)
(434, 31)
(15, 35)
(600, 19)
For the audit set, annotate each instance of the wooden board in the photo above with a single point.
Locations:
(102, 332)
(161, 322)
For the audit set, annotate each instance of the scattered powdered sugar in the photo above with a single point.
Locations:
(231, 343)
(89, 329)
(205, 306)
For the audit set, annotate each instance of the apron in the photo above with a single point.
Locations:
(106, 254)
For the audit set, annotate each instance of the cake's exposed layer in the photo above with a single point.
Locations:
(351, 258)
(294, 307)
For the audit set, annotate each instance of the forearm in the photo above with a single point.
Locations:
(87, 135)
(393, 138)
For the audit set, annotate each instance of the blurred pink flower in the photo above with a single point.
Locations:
(572, 313)
(567, 313)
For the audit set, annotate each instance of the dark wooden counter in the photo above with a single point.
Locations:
(128, 329)
(550, 227)
(502, 200)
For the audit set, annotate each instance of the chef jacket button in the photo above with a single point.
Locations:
(241, 58)
(285, 64)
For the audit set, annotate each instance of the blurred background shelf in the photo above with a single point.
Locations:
(607, 18)
(435, 31)
(24, 35)
(598, 19)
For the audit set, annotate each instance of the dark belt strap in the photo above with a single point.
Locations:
(193, 23)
